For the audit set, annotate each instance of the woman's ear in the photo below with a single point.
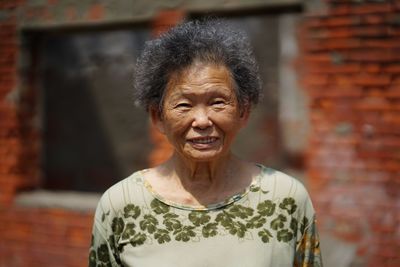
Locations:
(156, 118)
(245, 114)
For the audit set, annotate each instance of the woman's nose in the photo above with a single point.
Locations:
(201, 119)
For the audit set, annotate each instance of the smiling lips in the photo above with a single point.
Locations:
(203, 142)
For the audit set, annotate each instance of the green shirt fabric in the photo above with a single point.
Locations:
(270, 223)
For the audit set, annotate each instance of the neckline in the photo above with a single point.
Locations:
(234, 198)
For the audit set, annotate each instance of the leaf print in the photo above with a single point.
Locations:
(265, 235)
(241, 211)
(170, 215)
(92, 258)
(293, 225)
(117, 225)
(138, 239)
(102, 253)
(288, 204)
(210, 230)
(254, 188)
(129, 231)
(162, 236)
(266, 208)
(199, 218)
(278, 222)
(171, 222)
(185, 233)
(303, 224)
(111, 240)
(131, 210)
(224, 218)
(103, 217)
(236, 228)
(284, 235)
(148, 223)
(256, 222)
(159, 207)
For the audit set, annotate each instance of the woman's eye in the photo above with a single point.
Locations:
(218, 103)
(183, 105)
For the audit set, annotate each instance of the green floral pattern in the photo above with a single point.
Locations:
(271, 219)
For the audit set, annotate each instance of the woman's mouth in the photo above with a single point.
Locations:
(203, 142)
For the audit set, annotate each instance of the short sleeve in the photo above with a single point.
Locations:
(102, 249)
(308, 251)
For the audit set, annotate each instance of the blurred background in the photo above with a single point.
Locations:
(69, 129)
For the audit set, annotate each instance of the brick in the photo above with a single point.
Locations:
(334, 69)
(317, 80)
(317, 58)
(372, 55)
(353, 32)
(373, 106)
(71, 13)
(372, 19)
(96, 12)
(346, 81)
(372, 80)
(371, 68)
(378, 92)
(392, 68)
(330, 22)
(80, 237)
(382, 43)
(333, 44)
(396, 81)
(165, 19)
(394, 32)
(366, 8)
(335, 92)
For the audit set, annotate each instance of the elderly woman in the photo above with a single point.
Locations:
(204, 206)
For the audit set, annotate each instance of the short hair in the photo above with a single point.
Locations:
(208, 41)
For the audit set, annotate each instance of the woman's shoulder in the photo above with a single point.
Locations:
(282, 185)
(122, 193)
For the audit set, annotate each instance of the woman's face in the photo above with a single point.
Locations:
(200, 114)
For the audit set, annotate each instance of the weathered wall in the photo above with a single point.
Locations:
(41, 236)
(45, 236)
(350, 67)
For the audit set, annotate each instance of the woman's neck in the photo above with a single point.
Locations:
(203, 182)
(210, 172)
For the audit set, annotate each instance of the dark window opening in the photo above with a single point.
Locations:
(92, 134)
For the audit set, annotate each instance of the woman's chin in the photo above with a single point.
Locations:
(203, 155)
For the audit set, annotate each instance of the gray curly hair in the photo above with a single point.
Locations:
(208, 41)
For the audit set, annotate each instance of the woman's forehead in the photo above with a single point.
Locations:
(201, 78)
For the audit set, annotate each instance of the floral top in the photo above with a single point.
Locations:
(271, 223)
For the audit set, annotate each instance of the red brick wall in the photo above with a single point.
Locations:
(10, 130)
(44, 237)
(30, 237)
(350, 67)
(39, 236)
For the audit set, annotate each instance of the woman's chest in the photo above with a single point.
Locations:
(221, 250)
(238, 235)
